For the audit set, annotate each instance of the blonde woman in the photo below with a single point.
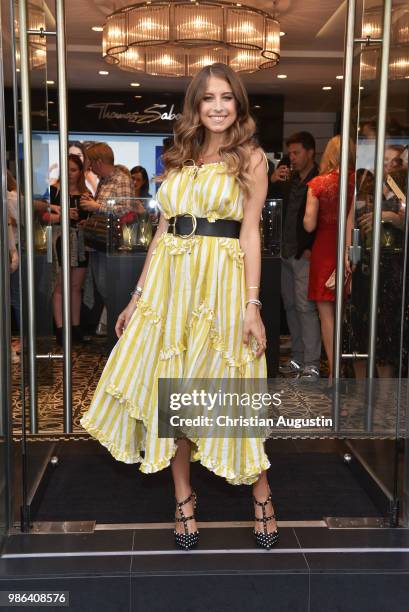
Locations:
(321, 214)
(195, 312)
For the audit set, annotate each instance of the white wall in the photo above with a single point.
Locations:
(320, 125)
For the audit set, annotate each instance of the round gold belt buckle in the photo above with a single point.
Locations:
(194, 222)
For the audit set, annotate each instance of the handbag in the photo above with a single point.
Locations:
(331, 281)
(102, 231)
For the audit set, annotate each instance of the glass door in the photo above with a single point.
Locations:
(39, 360)
(375, 315)
(6, 237)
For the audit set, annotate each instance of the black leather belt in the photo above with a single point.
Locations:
(188, 225)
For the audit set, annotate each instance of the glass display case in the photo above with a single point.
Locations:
(128, 225)
(270, 227)
(122, 225)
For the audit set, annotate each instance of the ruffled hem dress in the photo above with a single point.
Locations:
(187, 324)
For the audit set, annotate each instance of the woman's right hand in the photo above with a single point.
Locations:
(125, 316)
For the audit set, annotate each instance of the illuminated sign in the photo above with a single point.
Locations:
(153, 113)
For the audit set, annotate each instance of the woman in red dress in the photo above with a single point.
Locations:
(321, 214)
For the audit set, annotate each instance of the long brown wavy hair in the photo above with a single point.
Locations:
(82, 186)
(189, 133)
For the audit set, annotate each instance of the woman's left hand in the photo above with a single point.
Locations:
(254, 325)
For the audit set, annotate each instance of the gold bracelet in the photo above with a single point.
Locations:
(255, 287)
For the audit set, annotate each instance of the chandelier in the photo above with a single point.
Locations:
(399, 51)
(37, 49)
(178, 38)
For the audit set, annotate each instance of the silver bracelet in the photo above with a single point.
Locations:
(254, 301)
(137, 291)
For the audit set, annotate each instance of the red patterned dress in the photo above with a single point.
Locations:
(324, 251)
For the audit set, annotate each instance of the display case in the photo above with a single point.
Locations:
(128, 226)
(270, 227)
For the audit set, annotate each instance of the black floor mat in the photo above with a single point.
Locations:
(93, 486)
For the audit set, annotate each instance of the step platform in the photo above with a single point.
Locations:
(311, 569)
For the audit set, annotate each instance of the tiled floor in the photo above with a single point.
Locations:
(310, 570)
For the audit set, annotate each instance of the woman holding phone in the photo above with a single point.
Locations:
(79, 257)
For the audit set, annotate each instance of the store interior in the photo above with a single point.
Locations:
(59, 474)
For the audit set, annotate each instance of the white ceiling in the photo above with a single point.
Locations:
(312, 53)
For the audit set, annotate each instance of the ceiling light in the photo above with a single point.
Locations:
(103, 72)
(257, 106)
(339, 77)
(327, 87)
(398, 62)
(362, 87)
(17, 69)
(135, 84)
(281, 76)
(51, 102)
(372, 23)
(399, 54)
(168, 38)
(283, 33)
(50, 82)
(137, 97)
(97, 28)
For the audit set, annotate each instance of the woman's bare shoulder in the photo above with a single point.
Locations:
(258, 158)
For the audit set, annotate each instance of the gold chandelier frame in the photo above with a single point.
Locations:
(179, 37)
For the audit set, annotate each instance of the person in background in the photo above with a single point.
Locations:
(388, 328)
(392, 159)
(39, 207)
(321, 214)
(75, 147)
(290, 184)
(141, 182)
(77, 187)
(124, 169)
(367, 129)
(12, 209)
(115, 193)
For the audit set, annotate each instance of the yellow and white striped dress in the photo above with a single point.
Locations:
(187, 324)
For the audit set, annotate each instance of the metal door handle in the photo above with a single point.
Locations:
(354, 251)
(49, 243)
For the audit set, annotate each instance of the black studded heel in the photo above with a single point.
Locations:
(263, 538)
(186, 540)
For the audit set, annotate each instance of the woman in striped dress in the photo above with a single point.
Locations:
(195, 312)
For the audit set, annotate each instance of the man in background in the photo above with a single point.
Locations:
(115, 193)
(289, 182)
